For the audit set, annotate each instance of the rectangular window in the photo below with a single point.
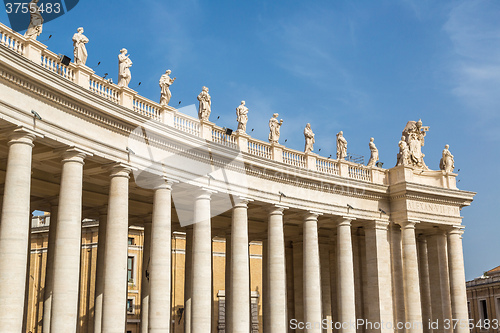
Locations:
(130, 269)
(498, 308)
(130, 305)
(131, 241)
(483, 309)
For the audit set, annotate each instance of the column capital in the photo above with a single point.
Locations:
(409, 224)
(344, 221)
(22, 135)
(312, 216)
(276, 210)
(242, 202)
(380, 224)
(456, 230)
(165, 184)
(204, 193)
(73, 154)
(120, 170)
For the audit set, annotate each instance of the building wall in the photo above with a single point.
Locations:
(38, 258)
(484, 289)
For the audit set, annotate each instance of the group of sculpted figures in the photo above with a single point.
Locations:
(410, 145)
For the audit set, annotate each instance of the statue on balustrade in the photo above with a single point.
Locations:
(373, 153)
(447, 163)
(242, 117)
(415, 133)
(274, 127)
(309, 136)
(36, 21)
(165, 83)
(341, 146)
(124, 64)
(404, 152)
(205, 106)
(79, 49)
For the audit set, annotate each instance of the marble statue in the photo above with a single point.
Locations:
(165, 83)
(124, 74)
(404, 152)
(79, 49)
(36, 21)
(341, 146)
(415, 133)
(447, 163)
(373, 154)
(205, 106)
(242, 117)
(309, 136)
(274, 127)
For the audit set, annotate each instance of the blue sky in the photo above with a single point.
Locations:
(363, 67)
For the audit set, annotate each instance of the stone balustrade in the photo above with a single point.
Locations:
(124, 96)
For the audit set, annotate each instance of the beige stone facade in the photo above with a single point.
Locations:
(233, 233)
(483, 301)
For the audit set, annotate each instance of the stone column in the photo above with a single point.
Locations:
(378, 271)
(311, 271)
(457, 279)
(265, 286)
(99, 278)
(201, 306)
(326, 292)
(114, 304)
(346, 297)
(188, 275)
(49, 268)
(160, 263)
(333, 276)
(14, 231)
(227, 283)
(425, 290)
(145, 286)
(290, 284)
(277, 271)
(298, 281)
(68, 244)
(410, 273)
(240, 270)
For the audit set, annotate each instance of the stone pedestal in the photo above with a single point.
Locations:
(277, 152)
(126, 97)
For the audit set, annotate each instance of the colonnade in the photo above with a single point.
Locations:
(431, 264)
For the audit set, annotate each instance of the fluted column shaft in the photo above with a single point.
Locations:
(277, 272)
(14, 231)
(188, 276)
(457, 280)
(201, 306)
(160, 264)
(49, 269)
(68, 244)
(99, 279)
(145, 286)
(114, 307)
(424, 282)
(311, 272)
(346, 297)
(240, 270)
(410, 272)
